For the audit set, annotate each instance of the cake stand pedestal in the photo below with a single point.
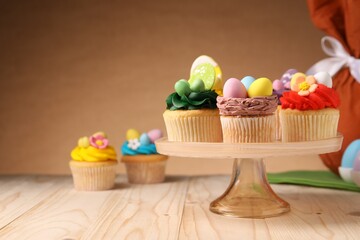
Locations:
(249, 194)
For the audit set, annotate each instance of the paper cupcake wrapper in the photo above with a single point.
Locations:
(248, 129)
(145, 172)
(309, 125)
(278, 130)
(193, 128)
(93, 178)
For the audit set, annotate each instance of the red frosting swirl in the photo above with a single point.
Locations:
(323, 97)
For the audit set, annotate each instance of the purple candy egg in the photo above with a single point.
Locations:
(287, 85)
(286, 77)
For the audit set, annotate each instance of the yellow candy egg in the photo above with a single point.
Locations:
(84, 142)
(132, 134)
(296, 76)
(261, 87)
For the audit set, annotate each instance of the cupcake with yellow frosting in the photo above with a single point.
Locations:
(143, 163)
(93, 163)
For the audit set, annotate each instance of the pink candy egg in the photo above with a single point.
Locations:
(154, 135)
(278, 85)
(233, 88)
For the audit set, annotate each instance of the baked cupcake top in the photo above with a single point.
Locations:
(143, 144)
(202, 88)
(248, 97)
(95, 148)
(310, 93)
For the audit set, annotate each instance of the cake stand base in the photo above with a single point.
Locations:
(249, 194)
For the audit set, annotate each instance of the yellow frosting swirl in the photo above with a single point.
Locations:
(92, 154)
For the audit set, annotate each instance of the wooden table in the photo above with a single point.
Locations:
(44, 207)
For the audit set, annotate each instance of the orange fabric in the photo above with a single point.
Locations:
(341, 19)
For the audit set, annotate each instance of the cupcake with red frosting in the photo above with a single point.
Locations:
(279, 87)
(309, 111)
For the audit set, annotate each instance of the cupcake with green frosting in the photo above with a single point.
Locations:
(191, 113)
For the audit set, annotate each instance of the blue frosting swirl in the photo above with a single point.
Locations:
(143, 149)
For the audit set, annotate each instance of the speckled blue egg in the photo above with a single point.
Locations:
(349, 155)
(247, 81)
(144, 139)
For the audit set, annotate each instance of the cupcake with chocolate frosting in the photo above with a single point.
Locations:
(247, 115)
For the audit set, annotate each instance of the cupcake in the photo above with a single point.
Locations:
(247, 111)
(192, 115)
(93, 164)
(309, 110)
(143, 163)
(279, 87)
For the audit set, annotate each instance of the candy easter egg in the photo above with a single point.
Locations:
(348, 159)
(132, 134)
(233, 88)
(261, 87)
(355, 173)
(345, 174)
(84, 142)
(286, 77)
(278, 85)
(357, 162)
(324, 78)
(296, 78)
(154, 135)
(197, 85)
(247, 81)
(349, 155)
(144, 139)
(182, 87)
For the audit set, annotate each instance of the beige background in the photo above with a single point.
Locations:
(70, 68)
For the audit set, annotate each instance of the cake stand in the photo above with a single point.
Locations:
(249, 194)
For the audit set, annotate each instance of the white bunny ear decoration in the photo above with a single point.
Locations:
(339, 58)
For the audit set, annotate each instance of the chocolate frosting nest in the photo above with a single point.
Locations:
(247, 106)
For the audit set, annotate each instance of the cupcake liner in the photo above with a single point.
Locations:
(248, 129)
(193, 125)
(309, 125)
(142, 169)
(278, 130)
(145, 172)
(93, 176)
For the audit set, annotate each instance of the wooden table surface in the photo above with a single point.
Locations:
(48, 207)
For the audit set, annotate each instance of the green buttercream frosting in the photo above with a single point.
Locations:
(195, 100)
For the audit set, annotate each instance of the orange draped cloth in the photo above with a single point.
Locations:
(341, 19)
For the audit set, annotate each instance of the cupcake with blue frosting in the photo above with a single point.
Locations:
(143, 163)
